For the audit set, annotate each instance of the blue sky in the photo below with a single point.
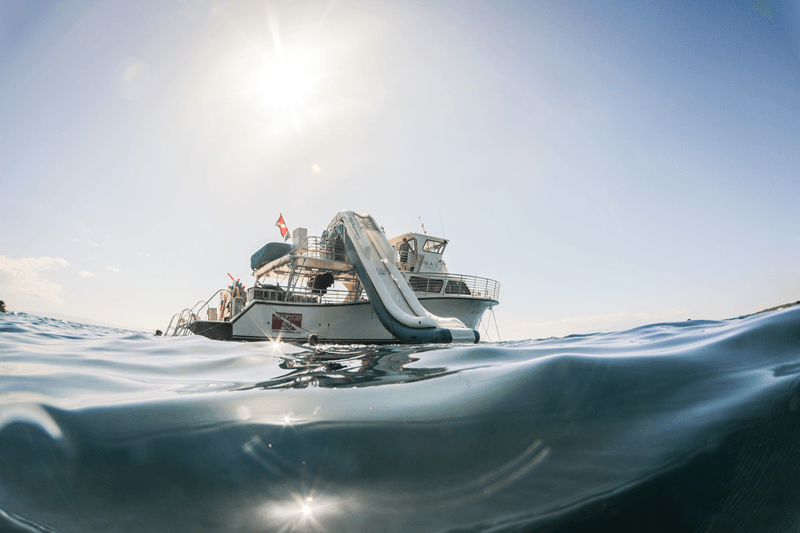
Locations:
(610, 164)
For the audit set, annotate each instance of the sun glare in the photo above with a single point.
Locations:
(281, 85)
(258, 93)
(284, 83)
(306, 514)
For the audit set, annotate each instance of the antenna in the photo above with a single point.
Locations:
(440, 218)
(423, 225)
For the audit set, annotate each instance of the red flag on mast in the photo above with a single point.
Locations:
(282, 225)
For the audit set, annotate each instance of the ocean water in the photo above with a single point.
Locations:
(691, 426)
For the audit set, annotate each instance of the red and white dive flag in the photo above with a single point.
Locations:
(282, 225)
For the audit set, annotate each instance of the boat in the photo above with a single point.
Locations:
(351, 285)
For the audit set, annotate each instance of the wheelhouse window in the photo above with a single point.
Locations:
(436, 247)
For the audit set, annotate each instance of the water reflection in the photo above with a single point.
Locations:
(334, 367)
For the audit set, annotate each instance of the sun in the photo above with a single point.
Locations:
(284, 83)
(271, 87)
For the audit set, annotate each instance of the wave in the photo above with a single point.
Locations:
(687, 426)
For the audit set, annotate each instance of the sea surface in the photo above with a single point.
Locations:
(691, 426)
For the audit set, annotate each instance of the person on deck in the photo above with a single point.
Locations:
(404, 249)
(235, 290)
(224, 306)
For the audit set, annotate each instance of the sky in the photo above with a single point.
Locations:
(611, 164)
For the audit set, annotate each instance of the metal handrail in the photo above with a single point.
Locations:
(440, 284)
(180, 325)
(323, 248)
(306, 295)
(407, 260)
(422, 283)
(188, 315)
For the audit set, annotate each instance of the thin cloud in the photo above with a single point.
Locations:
(115, 269)
(85, 274)
(23, 277)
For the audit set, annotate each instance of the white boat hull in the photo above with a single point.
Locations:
(351, 323)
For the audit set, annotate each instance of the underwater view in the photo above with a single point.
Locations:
(690, 426)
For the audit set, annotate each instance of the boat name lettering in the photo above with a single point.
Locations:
(287, 321)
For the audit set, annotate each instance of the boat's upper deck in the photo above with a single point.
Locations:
(298, 276)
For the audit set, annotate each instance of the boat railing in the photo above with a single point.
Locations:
(302, 295)
(422, 283)
(430, 284)
(407, 260)
(179, 323)
(323, 248)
